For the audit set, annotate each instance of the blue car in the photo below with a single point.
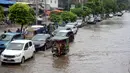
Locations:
(6, 38)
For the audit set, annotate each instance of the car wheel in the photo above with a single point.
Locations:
(22, 60)
(72, 39)
(76, 31)
(33, 55)
(2, 63)
(45, 48)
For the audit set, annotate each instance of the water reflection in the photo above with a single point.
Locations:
(61, 62)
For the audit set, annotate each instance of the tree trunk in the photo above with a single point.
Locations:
(21, 28)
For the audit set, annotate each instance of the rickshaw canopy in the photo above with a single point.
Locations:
(35, 27)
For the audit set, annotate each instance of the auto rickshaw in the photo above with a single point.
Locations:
(33, 30)
(60, 46)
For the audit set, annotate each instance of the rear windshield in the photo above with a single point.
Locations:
(5, 37)
(15, 46)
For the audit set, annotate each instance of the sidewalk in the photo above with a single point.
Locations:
(13, 28)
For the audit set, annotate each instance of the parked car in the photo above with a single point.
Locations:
(6, 38)
(65, 33)
(98, 18)
(119, 14)
(72, 23)
(41, 42)
(79, 23)
(73, 28)
(60, 28)
(18, 51)
(35, 29)
(111, 15)
(91, 20)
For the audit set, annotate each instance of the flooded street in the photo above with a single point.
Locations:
(100, 48)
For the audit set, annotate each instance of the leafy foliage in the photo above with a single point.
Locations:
(21, 14)
(55, 18)
(68, 16)
(78, 11)
(1, 13)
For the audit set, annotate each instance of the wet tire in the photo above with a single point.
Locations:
(45, 48)
(2, 63)
(33, 55)
(22, 60)
(76, 32)
(72, 39)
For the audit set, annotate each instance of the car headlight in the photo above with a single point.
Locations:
(2, 55)
(18, 55)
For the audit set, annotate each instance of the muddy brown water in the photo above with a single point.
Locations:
(100, 48)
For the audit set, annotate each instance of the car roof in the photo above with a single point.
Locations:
(69, 26)
(12, 33)
(64, 31)
(46, 35)
(79, 20)
(20, 41)
(71, 23)
(43, 34)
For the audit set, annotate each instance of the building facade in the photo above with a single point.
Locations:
(51, 3)
(66, 4)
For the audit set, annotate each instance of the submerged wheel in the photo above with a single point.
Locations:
(2, 63)
(45, 48)
(22, 60)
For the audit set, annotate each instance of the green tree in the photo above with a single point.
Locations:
(78, 11)
(82, 12)
(1, 13)
(110, 6)
(21, 14)
(96, 6)
(55, 18)
(68, 16)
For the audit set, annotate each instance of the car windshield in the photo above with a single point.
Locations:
(61, 34)
(15, 46)
(61, 28)
(90, 18)
(5, 37)
(39, 38)
(69, 26)
(79, 21)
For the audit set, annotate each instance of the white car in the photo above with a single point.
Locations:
(98, 18)
(72, 23)
(111, 15)
(91, 20)
(73, 28)
(18, 51)
(79, 23)
(119, 14)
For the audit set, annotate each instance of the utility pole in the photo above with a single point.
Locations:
(37, 10)
(82, 4)
(45, 10)
(68, 4)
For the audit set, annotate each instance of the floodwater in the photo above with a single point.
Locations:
(100, 48)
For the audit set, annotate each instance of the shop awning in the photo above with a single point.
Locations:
(7, 2)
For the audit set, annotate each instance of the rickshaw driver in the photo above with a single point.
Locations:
(60, 47)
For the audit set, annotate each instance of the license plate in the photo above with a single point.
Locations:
(8, 59)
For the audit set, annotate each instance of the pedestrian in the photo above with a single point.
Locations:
(4, 31)
(18, 30)
(9, 30)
